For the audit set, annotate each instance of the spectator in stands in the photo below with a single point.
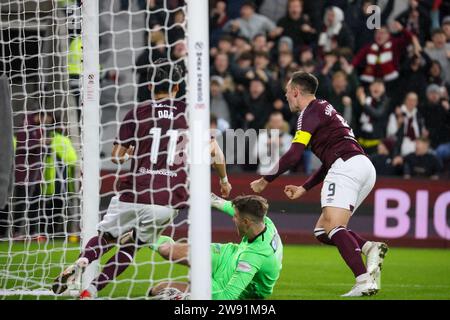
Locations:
(356, 17)
(58, 179)
(29, 162)
(306, 55)
(272, 143)
(415, 69)
(340, 95)
(250, 23)
(406, 124)
(160, 12)
(381, 59)
(371, 113)
(273, 9)
(260, 43)
(285, 61)
(446, 27)
(177, 30)
(261, 62)
(285, 44)
(435, 76)
(156, 50)
(421, 163)
(436, 112)
(224, 45)
(297, 25)
(217, 19)
(257, 105)
(383, 160)
(439, 50)
(219, 105)
(335, 32)
(178, 54)
(222, 68)
(315, 9)
(243, 70)
(416, 19)
(254, 57)
(240, 45)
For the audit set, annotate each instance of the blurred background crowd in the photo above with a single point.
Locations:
(390, 83)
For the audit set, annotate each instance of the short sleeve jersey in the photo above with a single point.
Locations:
(329, 135)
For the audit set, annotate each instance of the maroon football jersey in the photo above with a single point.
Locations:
(329, 135)
(158, 174)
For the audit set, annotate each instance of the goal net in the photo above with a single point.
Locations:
(75, 70)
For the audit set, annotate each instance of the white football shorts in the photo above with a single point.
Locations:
(348, 183)
(148, 220)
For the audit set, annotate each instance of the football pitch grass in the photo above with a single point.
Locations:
(309, 272)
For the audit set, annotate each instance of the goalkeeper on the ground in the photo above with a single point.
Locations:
(248, 270)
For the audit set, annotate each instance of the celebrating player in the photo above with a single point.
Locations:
(347, 173)
(154, 190)
(248, 270)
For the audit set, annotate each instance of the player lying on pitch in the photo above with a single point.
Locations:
(248, 270)
(348, 177)
(154, 190)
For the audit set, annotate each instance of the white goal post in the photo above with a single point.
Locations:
(198, 102)
(91, 129)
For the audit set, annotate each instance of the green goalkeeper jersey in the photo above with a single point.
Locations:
(250, 269)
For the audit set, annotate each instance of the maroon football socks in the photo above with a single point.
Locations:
(322, 236)
(349, 249)
(361, 241)
(95, 248)
(115, 266)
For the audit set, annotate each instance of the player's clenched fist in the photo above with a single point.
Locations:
(259, 185)
(225, 189)
(294, 192)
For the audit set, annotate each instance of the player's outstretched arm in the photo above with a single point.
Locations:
(120, 154)
(286, 162)
(222, 205)
(220, 166)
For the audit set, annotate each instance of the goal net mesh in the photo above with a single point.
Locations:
(41, 56)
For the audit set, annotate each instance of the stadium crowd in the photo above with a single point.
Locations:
(391, 83)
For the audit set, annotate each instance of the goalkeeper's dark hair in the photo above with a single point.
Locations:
(163, 75)
(253, 206)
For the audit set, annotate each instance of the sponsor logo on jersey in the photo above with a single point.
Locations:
(161, 105)
(162, 172)
(274, 242)
(244, 266)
